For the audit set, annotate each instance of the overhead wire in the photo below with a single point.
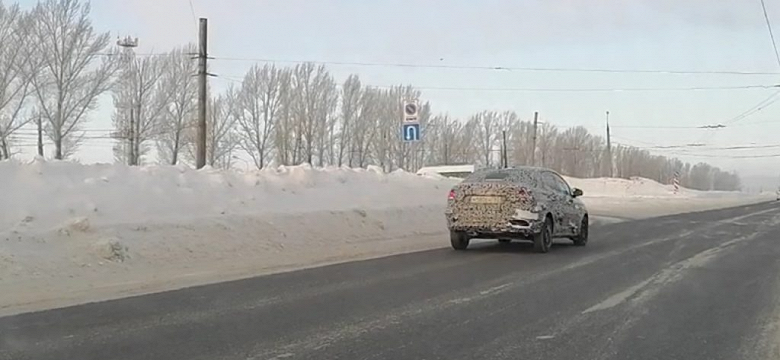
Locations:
(503, 89)
(771, 33)
(763, 104)
(192, 10)
(497, 67)
(681, 152)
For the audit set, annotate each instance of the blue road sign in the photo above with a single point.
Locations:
(411, 132)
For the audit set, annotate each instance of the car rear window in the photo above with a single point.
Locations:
(497, 175)
(513, 175)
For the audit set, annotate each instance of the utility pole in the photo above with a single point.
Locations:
(533, 146)
(609, 149)
(40, 134)
(504, 160)
(129, 44)
(200, 159)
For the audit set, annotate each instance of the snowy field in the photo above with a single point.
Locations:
(73, 233)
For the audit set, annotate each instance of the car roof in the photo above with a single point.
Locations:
(445, 169)
(533, 169)
(526, 174)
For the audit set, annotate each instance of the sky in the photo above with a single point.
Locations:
(692, 35)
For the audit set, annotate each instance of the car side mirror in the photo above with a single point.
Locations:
(577, 192)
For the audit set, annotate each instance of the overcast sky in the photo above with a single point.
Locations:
(692, 35)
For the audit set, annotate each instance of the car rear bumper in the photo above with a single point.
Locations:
(508, 228)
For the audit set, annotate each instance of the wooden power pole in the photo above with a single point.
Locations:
(533, 144)
(39, 123)
(609, 149)
(200, 158)
(504, 157)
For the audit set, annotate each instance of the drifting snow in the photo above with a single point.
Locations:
(71, 233)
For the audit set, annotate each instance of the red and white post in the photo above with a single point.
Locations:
(676, 182)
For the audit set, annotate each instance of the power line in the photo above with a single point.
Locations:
(500, 89)
(690, 154)
(715, 148)
(587, 89)
(771, 99)
(771, 34)
(730, 156)
(192, 10)
(143, 54)
(696, 145)
(77, 131)
(667, 127)
(763, 104)
(719, 126)
(757, 123)
(498, 68)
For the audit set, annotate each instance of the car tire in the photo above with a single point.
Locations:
(459, 240)
(582, 238)
(543, 240)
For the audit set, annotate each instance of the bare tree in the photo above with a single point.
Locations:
(363, 130)
(486, 123)
(221, 136)
(258, 107)
(71, 76)
(351, 93)
(139, 105)
(450, 141)
(385, 135)
(222, 139)
(546, 136)
(313, 106)
(285, 135)
(179, 87)
(17, 67)
(327, 120)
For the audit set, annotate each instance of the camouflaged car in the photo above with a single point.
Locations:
(523, 203)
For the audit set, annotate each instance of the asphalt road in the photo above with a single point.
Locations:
(694, 286)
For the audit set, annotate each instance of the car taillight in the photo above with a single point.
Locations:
(452, 195)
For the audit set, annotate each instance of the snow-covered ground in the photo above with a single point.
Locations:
(72, 233)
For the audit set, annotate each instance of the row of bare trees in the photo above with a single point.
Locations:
(572, 151)
(54, 67)
(52, 71)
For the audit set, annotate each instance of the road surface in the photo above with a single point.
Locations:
(694, 286)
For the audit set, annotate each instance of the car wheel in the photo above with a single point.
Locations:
(543, 240)
(459, 240)
(582, 238)
(505, 241)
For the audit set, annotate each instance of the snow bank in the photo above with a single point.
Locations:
(637, 198)
(47, 194)
(639, 187)
(71, 233)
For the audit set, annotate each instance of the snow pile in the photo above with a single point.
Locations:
(638, 187)
(71, 233)
(639, 197)
(52, 194)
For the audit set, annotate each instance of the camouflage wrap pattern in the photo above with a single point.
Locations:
(462, 215)
(518, 213)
